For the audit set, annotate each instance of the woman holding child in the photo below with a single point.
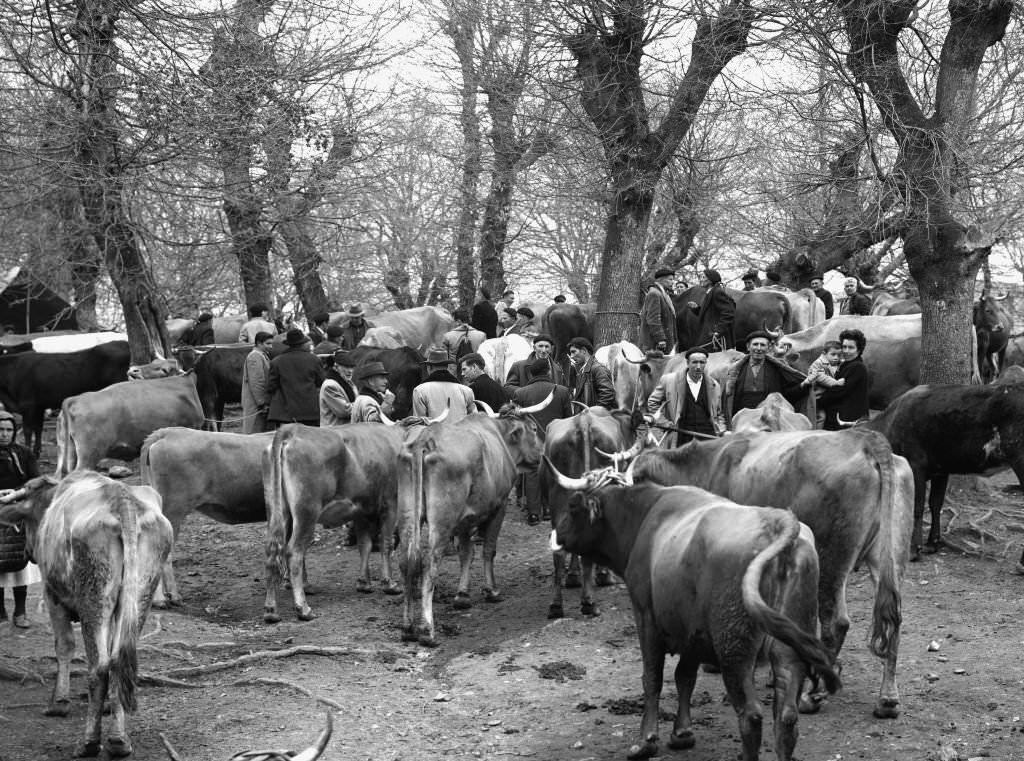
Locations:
(845, 402)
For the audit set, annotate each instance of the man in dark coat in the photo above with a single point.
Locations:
(485, 389)
(818, 286)
(330, 344)
(202, 332)
(294, 383)
(857, 303)
(590, 382)
(658, 314)
(716, 314)
(519, 374)
(318, 332)
(751, 378)
(485, 317)
(535, 392)
(846, 403)
(355, 329)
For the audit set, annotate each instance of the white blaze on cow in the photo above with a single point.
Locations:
(115, 421)
(100, 545)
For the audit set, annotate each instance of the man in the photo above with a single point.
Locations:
(751, 280)
(753, 377)
(442, 391)
(485, 389)
(374, 400)
(658, 314)
(462, 339)
(256, 323)
(509, 298)
(535, 392)
(255, 372)
(589, 380)
(331, 343)
(294, 383)
(690, 400)
(818, 286)
(338, 391)
(318, 333)
(506, 319)
(857, 303)
(846, 403)
(485, 316)
(519, 374)
(355, 329)
(523, 325)
(716, 313)
(202, 332)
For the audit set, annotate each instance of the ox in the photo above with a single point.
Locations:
(219, 380)
(217, 474)
(884, 303)
(452, 478)
(115, 421)
(501, 353)
(405, 371)
(383, 338)
(634, 372)
(226, 329)
(419, 327)
(773, 414)
(847, 486)
(992, 324)
(100, 546)
(328, 476)
(953, 429)
(574, 445)
(698, 568)
(792, 311)
(31, 383)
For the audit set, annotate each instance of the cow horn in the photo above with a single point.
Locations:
(999, 298)
(313, 752)
(539, 406)
(553, 544)
(581, 405)
(486, 408)
(625, 455)
(440, 418)
(567, 483)
(775, 334)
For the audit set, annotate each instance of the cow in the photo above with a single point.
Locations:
(575, 445)
(405, 372)
(501, 353)
(1014, 350)
(219, 380)
(100, 546)
(31, 383)
(884, 303)
(63, 342)
(383, 337)
(419, 327)
(992, 324)
(698, 568)
(773, 414)
(329, 476)
(1010, 374)
(115, 421)
(217, 474)
(452, 478)
(226, 329)
(852, 491)
(946, 429)
(774, 308)
(564, 322)
(634, 372)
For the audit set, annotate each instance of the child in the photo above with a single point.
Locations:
(821, 374)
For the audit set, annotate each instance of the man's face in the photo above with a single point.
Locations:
(267, 345)
(508, 298)
(378, 383)
(505, 319)
(577, 356)
(6, 433)
(748, 285)
(705, 282)
(345, 372)
(357, 321)
(850, 288)
(834, 356)
(849, 349)
(758, 349)
(470, 372)
(542, 349)
(816, 284)
(696, 365)
(666, 282)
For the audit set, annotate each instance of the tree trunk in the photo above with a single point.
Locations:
(305, 261)
(85, 261)
(619, 291)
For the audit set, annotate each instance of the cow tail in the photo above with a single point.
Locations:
(128, 616)
(279, 513)
(778, 625)
(414, 511)
(65, 445)
(886, 616)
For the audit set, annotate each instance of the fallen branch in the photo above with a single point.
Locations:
(266, 681)
(20, 675)
(261, 655)
(168, 652)
(158, 626)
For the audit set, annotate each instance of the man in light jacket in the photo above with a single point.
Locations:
(255, 399)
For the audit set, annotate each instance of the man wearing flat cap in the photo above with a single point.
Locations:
(330, 344)
(293, 383)
(338, 391)
(523, 325)
(519, 374)
(658, 314)
(441, 390)
(318, 327)
(355, 329)
(716, 314)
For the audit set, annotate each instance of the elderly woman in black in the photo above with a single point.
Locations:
(847, 402)
(17, 465)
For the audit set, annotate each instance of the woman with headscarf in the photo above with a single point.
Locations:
(17, 465)
(716, 313)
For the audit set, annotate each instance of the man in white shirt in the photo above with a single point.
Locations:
(689, 400)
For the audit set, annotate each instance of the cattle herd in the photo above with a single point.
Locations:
(725, 546)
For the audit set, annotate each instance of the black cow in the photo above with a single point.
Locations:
(31, 383)
(953, 429)
(405, 371)
(219, 381)
(993, 324)
(564, 322)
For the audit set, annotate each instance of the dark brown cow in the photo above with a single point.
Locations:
(993, 324)
(564, 322)
(852, 491)
(100, 545)
(698, 568)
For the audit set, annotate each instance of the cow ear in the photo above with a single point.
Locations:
(593, 508)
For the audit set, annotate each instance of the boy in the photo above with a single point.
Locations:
(822, 371)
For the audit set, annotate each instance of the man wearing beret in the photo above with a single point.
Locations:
(523, 325)
(753, 377)
(519, 374)
(690, 400)
(338, 392)
(716, 313)
(658, 314)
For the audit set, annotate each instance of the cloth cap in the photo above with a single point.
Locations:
(343, 358)
(664, 272)
(437, 357)
(850, 280)
(525, 312)
(295, 337)
(370, 370)
(539, 367)
(543, 337)
(701, 350)
(758, 334)
(582, 343)
(775, 277)
(750, 275)
(204, 317)
(474, 358)
(713, 276)
(334, 331)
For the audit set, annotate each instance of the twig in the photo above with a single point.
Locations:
(170, 750)
(168, 652)
(266, 681)
(163, 681)
(201, 645)
(260, 655)
(17, 675)
(158, 627)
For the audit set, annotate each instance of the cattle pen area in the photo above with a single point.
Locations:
(507, 682)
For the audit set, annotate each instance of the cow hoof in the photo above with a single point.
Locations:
(309, 589)
(809, 704)
(118, 748)
(462, 601)
(491, 595)
(305, 614)
(887, 709)
(58, 708)
(646, 750)
(427, 641)
(555, 611)
(604, 579)
(364, 586)
(89, 749)
(270, 616)
(931, 548)
(589, 608)
(682, 740)
(572, 581)
(392, 588)
(409, 635)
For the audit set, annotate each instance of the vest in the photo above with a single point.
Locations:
(751, 388)
(695, 415)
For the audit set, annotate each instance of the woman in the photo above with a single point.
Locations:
(17, 465)
(846, 403)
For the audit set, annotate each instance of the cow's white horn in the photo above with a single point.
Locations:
(312, 753)
(486, 408)
(581, 405)
(570, 484)
(539, 406)
(441, 417)
(14, 496)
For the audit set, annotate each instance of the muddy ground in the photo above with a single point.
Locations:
(508, 683)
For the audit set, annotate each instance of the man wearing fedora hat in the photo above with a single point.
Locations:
(374, 400)
(338, 392)
(293, 382)
(441, 390)
(658, 314)
(355, 329)
(330, 344)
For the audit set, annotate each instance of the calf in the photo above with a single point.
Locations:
(698, 568)
(100, 545)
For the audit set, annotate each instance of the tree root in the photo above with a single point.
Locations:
(10, 674)
(158, 680)
(260, 655)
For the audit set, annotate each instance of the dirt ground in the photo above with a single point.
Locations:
(508, 683)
